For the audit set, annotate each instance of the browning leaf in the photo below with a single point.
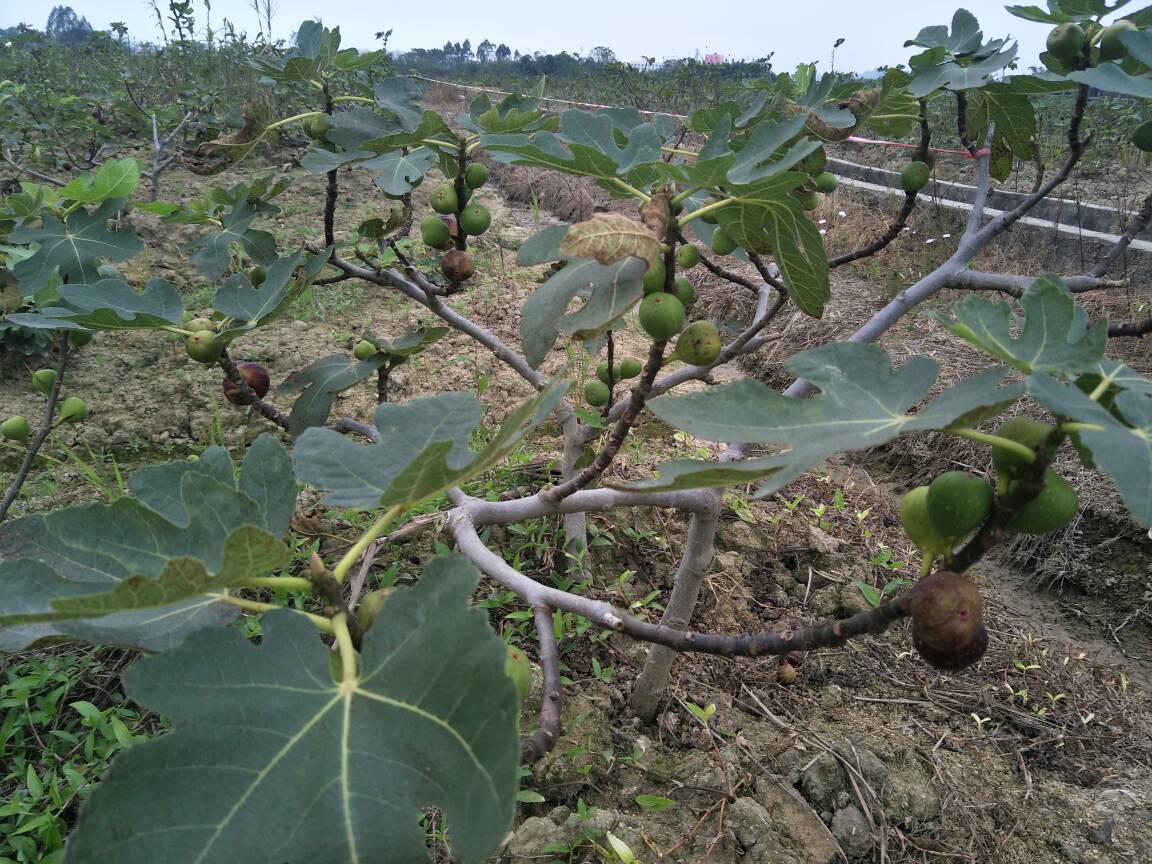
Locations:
(656, 212)
(610, 237)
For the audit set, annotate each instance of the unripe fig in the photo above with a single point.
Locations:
(203, 347)
(201, 324)
(317, 126)
(73, 410)
(434, 232)
(918, 526)
(602, 372)
(826, 182)
(630, 367)
(475, 175)
(364, 349)
(1111, 48)
(915, 176)
(685, 291)
(687, 256)
(958, 503)
(257, 275)
(519, 668)
(475, 219)
(948, 621)
(370, 607)
(596, 393)
(1055, 506)
(699, 344)
(15, 428)
(815, 163)
(722, 244)
(79, 338)
(43, 379)
(457, 266)
(444, 199)
(810, 201)
(1066, 42)
(1031, 433)
(661, 315)
(654, 277)
(256, 377)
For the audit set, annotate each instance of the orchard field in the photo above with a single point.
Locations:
(396, 470)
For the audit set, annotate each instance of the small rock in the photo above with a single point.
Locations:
(853, 832)
(909, 798)
(824, 783)
(1101, 835)
(832, 696)
(533, 837)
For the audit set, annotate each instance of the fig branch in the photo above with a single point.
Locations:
(534, 747)
(42, 433)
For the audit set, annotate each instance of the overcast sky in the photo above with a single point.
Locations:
(874, 32)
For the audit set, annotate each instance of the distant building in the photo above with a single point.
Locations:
(714, 59)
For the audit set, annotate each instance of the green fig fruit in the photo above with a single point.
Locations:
(1055, 506)
(444, 199)
(15, 428)
(72, 410)
(434, 232)
(1066, 42)
(661, 316)
(364, 349)
(918, 526)
(915, 176)
(475, 175)
(79, 338)
(1111, 47)
(722, 244)
(475, 219)
(1031, 433)
(826, 182)
(687, 256)
(203, 347)
(257, 275)
(699, 344)
(685, 291)
(958, 503)
(197, 325)
(596, 393)
(43, 380)
(654, 277)
(630, 367)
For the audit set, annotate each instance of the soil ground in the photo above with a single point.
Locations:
(1041, 753)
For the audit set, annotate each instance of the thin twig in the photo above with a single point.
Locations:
(534, 747)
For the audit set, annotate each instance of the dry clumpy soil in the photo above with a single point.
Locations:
(1039, 754)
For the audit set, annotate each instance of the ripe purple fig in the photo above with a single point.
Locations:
(256, 377)
(457, 266)
(948, 621)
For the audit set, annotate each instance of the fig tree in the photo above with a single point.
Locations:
(434, 232)
(596, 393)
(699, 344)
(364, 349)
(958, 503)
(948, 621)
(630, 367)
(255, 376)
(1066, 42)
(722, 244)
(15, 428)
(475, 219)
(685, 291)
(444, 199)
(73, 410)
(915, 176)
(1031, 433)
(1111, 48)
(654, 277)
(79, 338)
(519, 668)
(475, 175)
(661, 315)
(687, 256)
(826, 182)
(203, 347)
(918, 526)
(43, 379)
(457, 266)
(1055, 506)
